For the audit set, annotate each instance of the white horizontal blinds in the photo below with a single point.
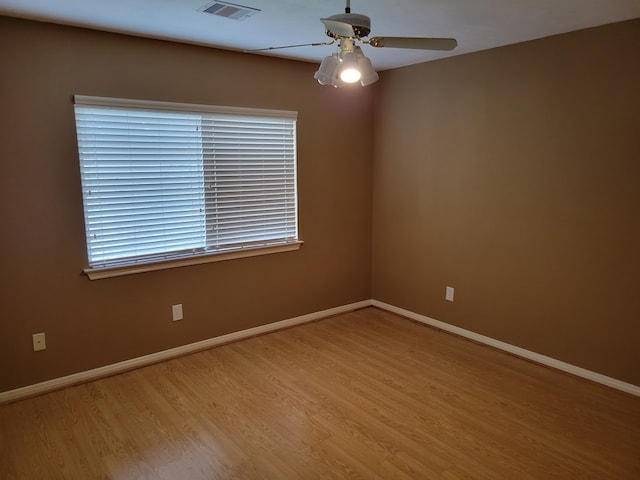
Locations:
(165, 180)
(250, 180)
(142, 178)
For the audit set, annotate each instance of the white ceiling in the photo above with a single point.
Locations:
(476, 24)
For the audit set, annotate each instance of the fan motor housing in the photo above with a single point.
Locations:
(361, 23)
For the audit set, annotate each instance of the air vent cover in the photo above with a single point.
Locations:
(229, 10)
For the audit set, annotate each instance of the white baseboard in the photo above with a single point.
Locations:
(520, 352)
(120, 367)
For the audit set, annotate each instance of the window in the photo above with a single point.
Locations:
(165, 182)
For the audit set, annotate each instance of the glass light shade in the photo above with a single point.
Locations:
(350, 72)
(369, 75)
(326, 74)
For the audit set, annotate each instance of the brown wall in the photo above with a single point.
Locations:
(510, 174)
(42, 251)
(513, 175)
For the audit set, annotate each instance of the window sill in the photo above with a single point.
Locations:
(108, 272)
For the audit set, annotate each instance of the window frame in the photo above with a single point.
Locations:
(167, 260)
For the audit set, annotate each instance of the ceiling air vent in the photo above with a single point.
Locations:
(229, 10)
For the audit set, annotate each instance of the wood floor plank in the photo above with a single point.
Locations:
(367, 395)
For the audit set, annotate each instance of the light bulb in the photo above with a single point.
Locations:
(350, 75)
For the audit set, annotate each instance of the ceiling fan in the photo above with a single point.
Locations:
(348, 64)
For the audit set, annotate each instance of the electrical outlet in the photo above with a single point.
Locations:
(38, 342)
(449, 294)
(176, 310)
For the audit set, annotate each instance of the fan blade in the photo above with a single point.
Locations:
(317, 44)
(417, 43)
(340, 29)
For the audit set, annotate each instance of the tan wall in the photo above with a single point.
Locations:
(513, 175)
(510, 174)
(42, 251)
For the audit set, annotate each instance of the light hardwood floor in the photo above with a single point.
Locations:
(364, 395)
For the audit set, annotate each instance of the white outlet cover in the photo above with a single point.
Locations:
(39, 342)
(449, 294)
(176, 310)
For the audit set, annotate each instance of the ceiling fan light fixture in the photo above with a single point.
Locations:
(347, 66)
